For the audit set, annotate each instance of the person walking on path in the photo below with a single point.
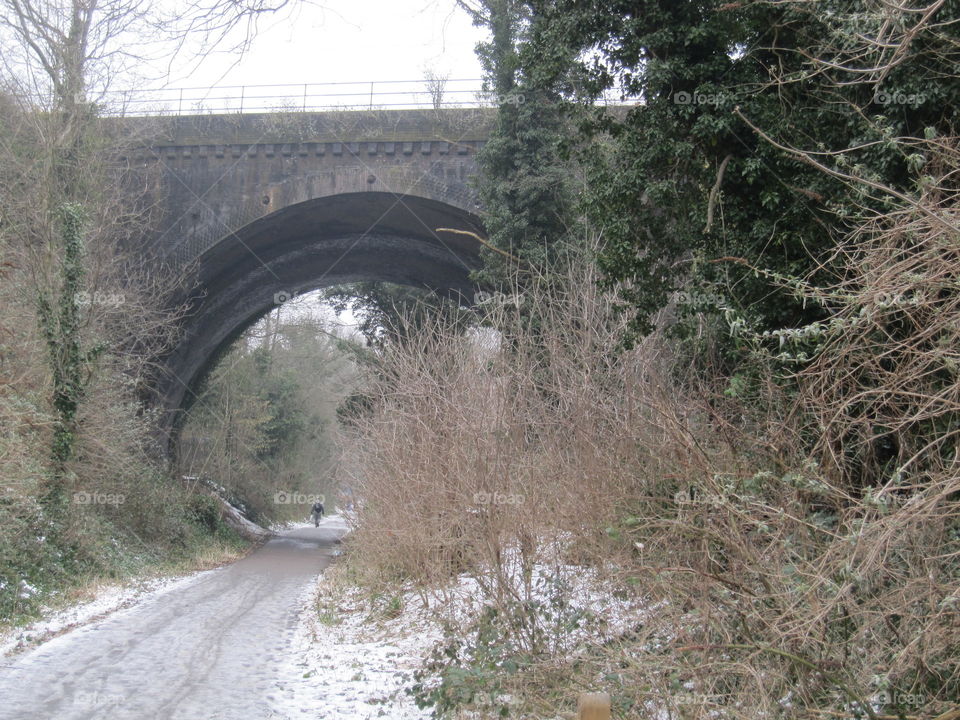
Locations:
(316, 513)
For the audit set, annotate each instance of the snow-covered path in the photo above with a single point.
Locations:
(210, 649)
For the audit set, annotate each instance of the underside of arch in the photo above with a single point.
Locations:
(333, 240)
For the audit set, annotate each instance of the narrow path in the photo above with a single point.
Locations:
(209, 651)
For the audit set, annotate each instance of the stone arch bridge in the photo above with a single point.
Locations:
(262, 207)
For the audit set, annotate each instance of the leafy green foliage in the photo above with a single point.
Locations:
(286, 418)
(471, 670)
(473, 666)
(205, 511)
(261, 429)
(681, 181)
(525, 182)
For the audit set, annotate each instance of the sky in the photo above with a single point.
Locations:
(346, 41)
(308, 41)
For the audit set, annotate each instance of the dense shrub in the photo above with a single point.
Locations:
(768, 588)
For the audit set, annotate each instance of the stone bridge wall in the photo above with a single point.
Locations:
(219, 173)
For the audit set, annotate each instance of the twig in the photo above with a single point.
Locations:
(714, 191)
(480, 240)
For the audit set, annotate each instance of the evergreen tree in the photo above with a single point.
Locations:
(526, 182)
(683, 185)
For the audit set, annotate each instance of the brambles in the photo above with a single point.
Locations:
(762, 584)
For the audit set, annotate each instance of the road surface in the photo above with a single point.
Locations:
(207, 651)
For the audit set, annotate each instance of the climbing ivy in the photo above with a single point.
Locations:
(70, 361)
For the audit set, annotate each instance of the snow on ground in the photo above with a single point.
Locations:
(352, 663)
(344, 660)
(344, 664)
(334, 520)
(109, 599)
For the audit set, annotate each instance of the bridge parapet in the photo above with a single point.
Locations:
(451, 124)
(286, 97)
(223, 172)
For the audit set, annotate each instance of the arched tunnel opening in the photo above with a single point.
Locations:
(331, 241)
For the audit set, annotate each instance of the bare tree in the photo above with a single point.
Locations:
(228, 26)
(436, 86)
(102, 309)
(57, 51)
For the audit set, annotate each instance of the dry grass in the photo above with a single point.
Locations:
(777, 591)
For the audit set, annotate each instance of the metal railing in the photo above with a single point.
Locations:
(294, 97)
(287, 97)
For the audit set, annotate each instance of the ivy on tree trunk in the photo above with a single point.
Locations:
(69, 361)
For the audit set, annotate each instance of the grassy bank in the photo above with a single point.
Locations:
(48, 564)
(122, 514)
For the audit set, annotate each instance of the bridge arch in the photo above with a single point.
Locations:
(369, 235)
(266, 205)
